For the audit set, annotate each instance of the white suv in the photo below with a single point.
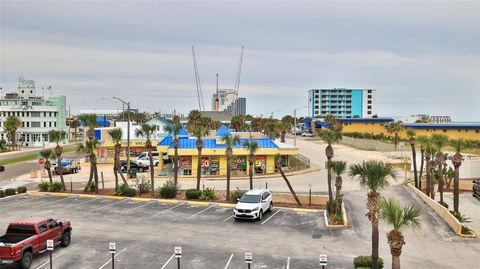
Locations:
(253, 204)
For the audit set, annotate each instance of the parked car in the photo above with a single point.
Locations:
(26, 237)
(68, 166)
(253, 204)
(133, 165)
(2, 168)
(476, 188)
(307, 134)
(145, 162)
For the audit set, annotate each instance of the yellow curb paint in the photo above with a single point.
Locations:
(198, 203)
(37, 194)
(59, 194)
(114, 197)
(306, 210)
(142, 199)
(227, 205)
(87, 196)
(168, 201)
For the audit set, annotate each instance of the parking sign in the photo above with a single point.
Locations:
(248, 257)
(323, 260)
(178, 252)
(50, 245)
(112, 247)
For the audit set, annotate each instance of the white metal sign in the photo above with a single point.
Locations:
(323, 259)
(178, 252)
(248, 257)
(50, 245)
(401, 145)
(112, 247)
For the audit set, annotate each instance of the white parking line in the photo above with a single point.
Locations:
(228, 218)
(110, 260)
(52, 202)
(288, 263)
(28, 199)
(84, 202)
(131, 209)
(229, 260)
(168, 209)
(105, 206)
(201, 211)
(165, 265)
(54, 257)
(271, 216)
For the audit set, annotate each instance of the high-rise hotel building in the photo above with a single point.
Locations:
(341, 102)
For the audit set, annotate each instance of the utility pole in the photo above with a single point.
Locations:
(128, 132)
(295, 125)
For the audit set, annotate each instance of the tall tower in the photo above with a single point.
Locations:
(26, 88)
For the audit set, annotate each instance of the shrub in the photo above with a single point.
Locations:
(2, 193)
(43, 186)
(10, 192)
(91, 187)
(55, 187)
(208, 194)
(125, 190)
(366, 262)
(168, 190)
(21, 189)
(193, 194)
(143, 185)
(237, 194)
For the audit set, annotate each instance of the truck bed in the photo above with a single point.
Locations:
(13, 239)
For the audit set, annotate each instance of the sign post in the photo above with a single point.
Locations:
(50, 250)
(248, 258)
(323, 261)
(178, 255)
(113, 249)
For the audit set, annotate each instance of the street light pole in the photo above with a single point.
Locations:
(295, 125)
(128, 132)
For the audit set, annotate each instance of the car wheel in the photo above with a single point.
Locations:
(26, 260)
(140, 169)
(260, 215)
(270, 208)
(66, 238)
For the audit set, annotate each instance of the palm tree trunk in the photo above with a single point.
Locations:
(427, 171)
(396, 140)
(414, 160)
(95, 175)
(60, 172)
(50, 175)
(250, 174)
(175, 167)
(289, 185)
(456, 187)
(373, 208)
(115, 172)
(199, 168)
(440, 188)
(395, 262)
(121, 173)
(330, 191)
(421, 170)
(152, 172)
(228, 179)
(338, 187)
(375, 238)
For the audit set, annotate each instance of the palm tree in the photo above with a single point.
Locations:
(372, 175)
(10, 126)
(395, 128)
(413, 140)
(338, 167)
(229, 143)
(330, 137)
(199, 132)
(439, 140)
(116, 135)
(74, 124)
(56, 136)
(252, 147)
(147, 131)
(89, 147)
(174, 130)
(47, 154)
(237, 123)
(400, 217)
(423, 140)
(283, 128)
(459, 145)
(278, 163)
(430, 170)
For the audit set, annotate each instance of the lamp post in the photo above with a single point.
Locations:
(295, 124)
(128, 132)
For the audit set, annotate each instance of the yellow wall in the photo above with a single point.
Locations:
(364, 127)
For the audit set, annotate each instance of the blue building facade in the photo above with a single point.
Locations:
(341, 102)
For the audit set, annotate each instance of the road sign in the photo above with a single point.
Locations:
(112, 247)
(50, 245)
(41, 161)
(323, 259)
(178, 252)
(248, 257)
(401, 145)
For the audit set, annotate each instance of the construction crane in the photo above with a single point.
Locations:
(217, 98)
(201, 105)
(237, 81)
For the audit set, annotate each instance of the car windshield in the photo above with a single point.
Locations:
(247, 198)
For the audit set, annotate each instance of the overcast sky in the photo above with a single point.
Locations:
(423, 57)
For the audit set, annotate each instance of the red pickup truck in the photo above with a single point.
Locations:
(29, 236)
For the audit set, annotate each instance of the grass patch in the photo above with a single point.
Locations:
(33, 156)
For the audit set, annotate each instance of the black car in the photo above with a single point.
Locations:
(133, 165)
(2, 168)
(476, 188)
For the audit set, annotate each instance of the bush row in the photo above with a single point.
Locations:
(366, 262)
(10, 191)
(52, 187)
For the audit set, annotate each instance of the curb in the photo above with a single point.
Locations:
(12, 196)
(337, 227)
(167, 201)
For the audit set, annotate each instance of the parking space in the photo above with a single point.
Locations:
(146, 232)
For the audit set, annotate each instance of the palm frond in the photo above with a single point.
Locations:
(372, 174)
(338, 167)
(399, 216)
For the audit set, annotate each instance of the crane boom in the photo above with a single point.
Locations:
(239, 72)
(201, 105)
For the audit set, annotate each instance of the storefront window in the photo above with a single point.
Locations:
(210, 166)
(260, 164)
(239, 164)
(185, 165)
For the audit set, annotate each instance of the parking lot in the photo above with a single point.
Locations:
(146, 233)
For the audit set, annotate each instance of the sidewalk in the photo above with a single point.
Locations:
(26, 151)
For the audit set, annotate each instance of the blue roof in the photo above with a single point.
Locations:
(222, 131)
(323, 124)
(366, 120)
(191, 143)
(182, 132)
(442, 126)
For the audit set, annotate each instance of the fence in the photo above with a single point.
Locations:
(367, 144)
